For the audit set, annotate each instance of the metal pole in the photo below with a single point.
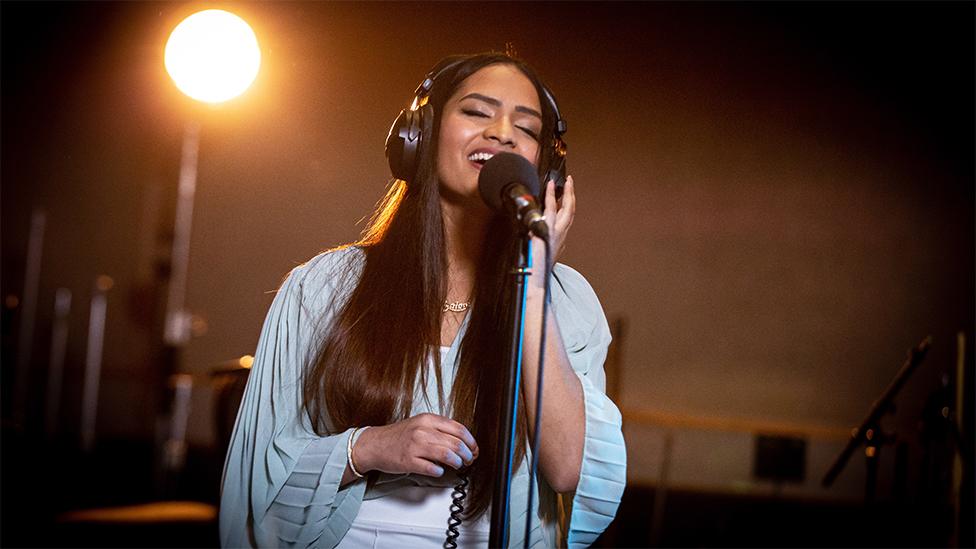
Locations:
(93, 362)
(55, 372)
(661, 491)
(959, 426)
(174, 449)
(28, 310)
(177, 329)
(507, 415)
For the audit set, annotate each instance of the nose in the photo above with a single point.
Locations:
(501, 131)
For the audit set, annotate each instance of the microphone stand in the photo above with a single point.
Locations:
(498, 535)
(869, 432)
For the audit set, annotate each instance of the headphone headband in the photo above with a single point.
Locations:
(406, 136)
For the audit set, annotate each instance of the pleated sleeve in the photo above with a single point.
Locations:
(281, 481)
(604, 469)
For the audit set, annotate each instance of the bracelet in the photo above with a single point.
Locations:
(350, 442)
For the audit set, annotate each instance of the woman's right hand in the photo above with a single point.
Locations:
(422, 444)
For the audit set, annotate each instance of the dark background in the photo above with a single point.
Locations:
(776, 199)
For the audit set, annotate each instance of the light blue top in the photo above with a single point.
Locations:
(281, 481)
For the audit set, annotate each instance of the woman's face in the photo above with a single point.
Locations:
(494, 110)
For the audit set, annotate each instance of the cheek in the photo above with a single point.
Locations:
(444, 145)
(451, 135)
(534, 154)
(450, 145)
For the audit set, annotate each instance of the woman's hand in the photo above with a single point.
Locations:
(422, 444)
(559, 217)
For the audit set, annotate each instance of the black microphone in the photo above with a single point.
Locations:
(509, 182)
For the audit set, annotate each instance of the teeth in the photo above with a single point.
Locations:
(481, 156)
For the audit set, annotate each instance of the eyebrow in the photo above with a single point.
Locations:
(497, 103)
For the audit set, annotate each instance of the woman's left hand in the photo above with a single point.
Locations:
(559, 216)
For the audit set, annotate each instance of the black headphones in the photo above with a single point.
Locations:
(406, 134)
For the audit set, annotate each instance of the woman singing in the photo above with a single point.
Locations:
(376, 381)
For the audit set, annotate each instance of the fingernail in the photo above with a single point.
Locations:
(438, 471)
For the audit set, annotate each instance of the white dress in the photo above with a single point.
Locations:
(413, 516)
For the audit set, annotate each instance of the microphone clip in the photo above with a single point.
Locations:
(527, 210)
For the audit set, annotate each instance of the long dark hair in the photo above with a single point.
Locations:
(387, 330)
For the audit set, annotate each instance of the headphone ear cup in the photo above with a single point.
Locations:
(557, 173)
(403, 144)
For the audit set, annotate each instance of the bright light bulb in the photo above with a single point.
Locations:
(212, 56)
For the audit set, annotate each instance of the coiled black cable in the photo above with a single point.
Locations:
(457, 508)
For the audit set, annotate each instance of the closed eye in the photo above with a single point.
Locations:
(476, 113)
(529, 132)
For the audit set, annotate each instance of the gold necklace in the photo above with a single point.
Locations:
(456, 306)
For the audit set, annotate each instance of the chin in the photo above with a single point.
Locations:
(470, 202)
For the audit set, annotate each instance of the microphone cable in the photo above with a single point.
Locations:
(457, 508)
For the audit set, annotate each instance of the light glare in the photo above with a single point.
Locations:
(212, 56)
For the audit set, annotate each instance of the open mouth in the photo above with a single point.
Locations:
(480, 158)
